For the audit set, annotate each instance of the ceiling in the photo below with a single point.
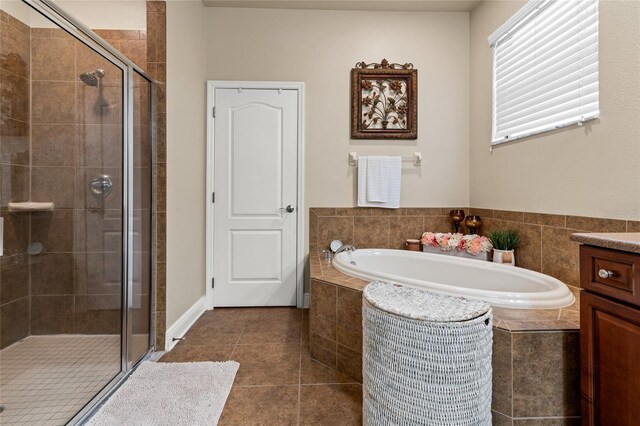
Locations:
(375, 5)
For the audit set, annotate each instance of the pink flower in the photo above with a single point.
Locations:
(429, 239)
(475, 246)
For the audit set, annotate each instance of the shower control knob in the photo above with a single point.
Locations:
(101, 185)
(604, 274)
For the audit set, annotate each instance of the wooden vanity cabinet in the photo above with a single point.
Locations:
(610, 337)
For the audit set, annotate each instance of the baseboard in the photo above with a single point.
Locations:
(306, 301)
(184, 323)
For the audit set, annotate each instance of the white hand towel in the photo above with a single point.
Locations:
(362, 181)
(394, 170)
(378, 179)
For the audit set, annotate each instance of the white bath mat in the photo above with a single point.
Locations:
(191, 393)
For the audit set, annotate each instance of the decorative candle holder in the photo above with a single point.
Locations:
(457, 216)
(473, 222)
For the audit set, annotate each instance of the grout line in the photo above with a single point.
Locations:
(501, 413)
(236, 345)
(282, 385)
(332, 383)
(541, 251)
(293, 384)
(512, 374)
(300, 365)
(549, 417)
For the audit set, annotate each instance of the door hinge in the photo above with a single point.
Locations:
(214, 112)
(213, 283)
(213, 197)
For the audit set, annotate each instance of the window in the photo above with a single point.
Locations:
(545, 68)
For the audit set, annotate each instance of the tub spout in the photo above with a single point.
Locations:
(346, 247)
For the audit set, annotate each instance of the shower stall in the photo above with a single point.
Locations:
(76, 141)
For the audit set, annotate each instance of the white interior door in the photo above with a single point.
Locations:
(255, 209)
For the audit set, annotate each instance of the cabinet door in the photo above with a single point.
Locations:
(610, 362)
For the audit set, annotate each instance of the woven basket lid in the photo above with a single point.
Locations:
(423, 305)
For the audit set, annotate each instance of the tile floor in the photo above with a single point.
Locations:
(46, 380)
(278, 383)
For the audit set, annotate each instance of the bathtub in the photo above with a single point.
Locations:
(502, 285)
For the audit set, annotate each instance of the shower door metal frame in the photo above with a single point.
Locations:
(85, 35)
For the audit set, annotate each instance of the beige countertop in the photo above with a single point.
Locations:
(624, 241)
(513, 320)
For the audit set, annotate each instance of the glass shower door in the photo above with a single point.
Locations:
(75, 199)
(140, 185)
(61, 198)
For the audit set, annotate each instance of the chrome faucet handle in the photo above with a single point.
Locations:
(328, 254)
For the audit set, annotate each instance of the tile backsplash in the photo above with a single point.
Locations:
(545, 245)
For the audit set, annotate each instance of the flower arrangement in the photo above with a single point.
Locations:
(472, 244)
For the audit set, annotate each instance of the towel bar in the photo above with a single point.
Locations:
(416, 158)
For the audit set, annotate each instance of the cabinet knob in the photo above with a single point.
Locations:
(603, 273)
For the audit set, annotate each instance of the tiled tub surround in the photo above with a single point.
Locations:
(535, 352)
(545, 245)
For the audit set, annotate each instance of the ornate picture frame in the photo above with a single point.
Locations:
(384, 101)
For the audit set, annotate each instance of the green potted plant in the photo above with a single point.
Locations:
(504, 243)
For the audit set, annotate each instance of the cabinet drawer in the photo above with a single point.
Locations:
(611, 273)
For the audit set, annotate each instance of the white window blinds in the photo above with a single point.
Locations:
(545, 68)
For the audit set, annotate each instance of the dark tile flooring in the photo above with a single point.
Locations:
(278, 383)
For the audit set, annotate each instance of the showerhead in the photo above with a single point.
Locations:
(92, 78)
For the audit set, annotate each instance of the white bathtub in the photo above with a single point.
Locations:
(501, 285)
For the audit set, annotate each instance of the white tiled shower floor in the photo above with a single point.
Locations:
(46, 380)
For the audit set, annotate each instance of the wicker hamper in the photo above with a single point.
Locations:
(426, 358)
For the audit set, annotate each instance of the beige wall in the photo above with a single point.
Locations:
(185, 156)
(592, 170)
(588, 171)
(320, 48)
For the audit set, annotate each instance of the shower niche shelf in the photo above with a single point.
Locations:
(31, 206)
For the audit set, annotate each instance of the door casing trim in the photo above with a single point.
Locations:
(212, 85)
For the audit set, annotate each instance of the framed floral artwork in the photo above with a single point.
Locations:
(384, 101)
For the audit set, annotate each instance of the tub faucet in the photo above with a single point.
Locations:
(346, 247)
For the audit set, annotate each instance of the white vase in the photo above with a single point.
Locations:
(506, 257)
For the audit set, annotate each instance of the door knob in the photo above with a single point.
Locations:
(288, 209)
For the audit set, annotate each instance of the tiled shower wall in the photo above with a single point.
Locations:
(545, 245)
(15, 70)
(157, 68)
(76, 134)
(50, 147)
